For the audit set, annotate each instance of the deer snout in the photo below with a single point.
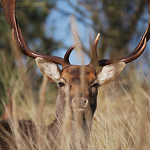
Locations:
(79, 103)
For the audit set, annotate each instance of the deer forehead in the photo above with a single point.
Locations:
(72, 73)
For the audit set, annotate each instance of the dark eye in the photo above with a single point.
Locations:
(61, 84)
(96, 85)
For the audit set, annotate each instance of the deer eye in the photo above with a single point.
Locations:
(61, 84)
(96, 85)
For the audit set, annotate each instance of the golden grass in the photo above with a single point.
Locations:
(122, 117)
(121, 121)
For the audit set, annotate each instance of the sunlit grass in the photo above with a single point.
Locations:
(121, 121)
(122, 117)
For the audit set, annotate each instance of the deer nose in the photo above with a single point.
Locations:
(79, 103)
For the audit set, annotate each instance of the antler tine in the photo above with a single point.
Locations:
(66, 57)
(94, 52)
(9, 11)
(136, 52)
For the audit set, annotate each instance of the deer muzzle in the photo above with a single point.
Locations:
(81, 103)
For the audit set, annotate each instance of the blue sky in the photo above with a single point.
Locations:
(63, 31)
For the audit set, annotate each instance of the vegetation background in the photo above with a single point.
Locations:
(122, 119)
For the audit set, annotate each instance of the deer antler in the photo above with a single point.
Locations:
(94, 52)
(9, 11)
(136, 52)
(66, 57)
(132, 56)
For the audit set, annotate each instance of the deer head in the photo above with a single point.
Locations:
(82, 87)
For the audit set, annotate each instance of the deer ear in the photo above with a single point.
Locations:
(110, 72)
(48, 69)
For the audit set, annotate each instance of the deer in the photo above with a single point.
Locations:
(77, 89)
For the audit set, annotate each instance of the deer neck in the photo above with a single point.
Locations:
(66, 125)
(74, 132)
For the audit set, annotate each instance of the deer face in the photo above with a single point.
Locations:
(78, 84)
(83, 87)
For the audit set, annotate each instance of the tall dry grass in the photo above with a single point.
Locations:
(122, 117)
(121, 121)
